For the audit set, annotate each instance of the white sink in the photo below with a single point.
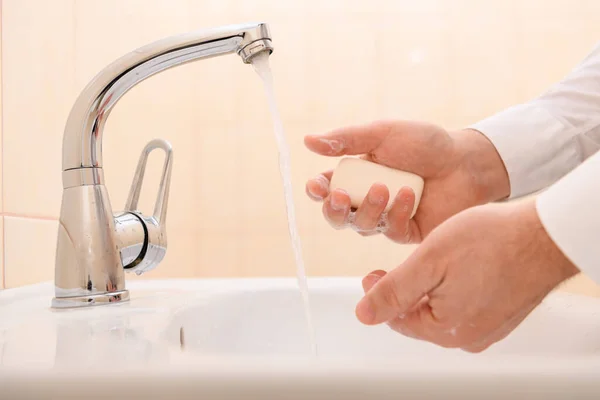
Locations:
(233, 338)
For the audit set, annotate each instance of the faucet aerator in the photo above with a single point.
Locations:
(258, 47)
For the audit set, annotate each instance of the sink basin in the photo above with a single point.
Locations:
(231, 338)
(270, 321)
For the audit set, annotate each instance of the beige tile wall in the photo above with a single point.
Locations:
(336, 62)
(28, 263)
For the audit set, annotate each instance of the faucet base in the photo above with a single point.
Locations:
(91, 300)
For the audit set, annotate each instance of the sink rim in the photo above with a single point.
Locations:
(31, 297)
(553, 377)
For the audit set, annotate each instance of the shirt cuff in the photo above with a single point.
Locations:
(537, 148)
(570, 212)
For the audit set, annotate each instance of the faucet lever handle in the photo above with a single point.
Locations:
(162, 200)
(141, 254)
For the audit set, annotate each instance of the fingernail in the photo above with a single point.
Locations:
(314, 196)
(336, 146)
(323, 183)
(374, 277)
(337, 200)
(372, 280)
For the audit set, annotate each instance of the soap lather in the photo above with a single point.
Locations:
(356, 176)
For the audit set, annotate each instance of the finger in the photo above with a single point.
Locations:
(400, 228)
(399, 290)
(500, 333)
(349, 140)
(411, 323)
(336, 208)
(318, 187)
(368, 214)
(371, 279)
(421, 323)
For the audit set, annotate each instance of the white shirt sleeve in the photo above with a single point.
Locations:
(553, 141)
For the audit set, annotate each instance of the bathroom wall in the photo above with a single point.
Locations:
(336, 63)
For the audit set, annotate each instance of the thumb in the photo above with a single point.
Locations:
(352, 140)
(399, 291)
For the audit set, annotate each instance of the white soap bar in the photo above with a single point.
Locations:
(356, 176)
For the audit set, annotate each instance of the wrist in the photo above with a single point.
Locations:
(482, 165)
(552, 265)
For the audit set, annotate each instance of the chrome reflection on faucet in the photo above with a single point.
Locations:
(95, 246)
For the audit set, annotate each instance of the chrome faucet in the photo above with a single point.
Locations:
(95, 246)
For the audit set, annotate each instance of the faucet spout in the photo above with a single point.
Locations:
(95, 246)
(82, 142)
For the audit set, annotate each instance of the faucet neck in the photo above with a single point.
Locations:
(82, 141)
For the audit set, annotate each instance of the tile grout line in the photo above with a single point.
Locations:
(28, 216)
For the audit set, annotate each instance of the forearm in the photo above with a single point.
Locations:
(549, 265)
(542, 140)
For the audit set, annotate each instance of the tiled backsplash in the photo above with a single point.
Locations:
(335, 63)
(29, 247)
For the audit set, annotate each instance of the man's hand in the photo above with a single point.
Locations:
(461, 170)
(472, 281)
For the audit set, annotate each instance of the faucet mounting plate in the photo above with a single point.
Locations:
(95, 299)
